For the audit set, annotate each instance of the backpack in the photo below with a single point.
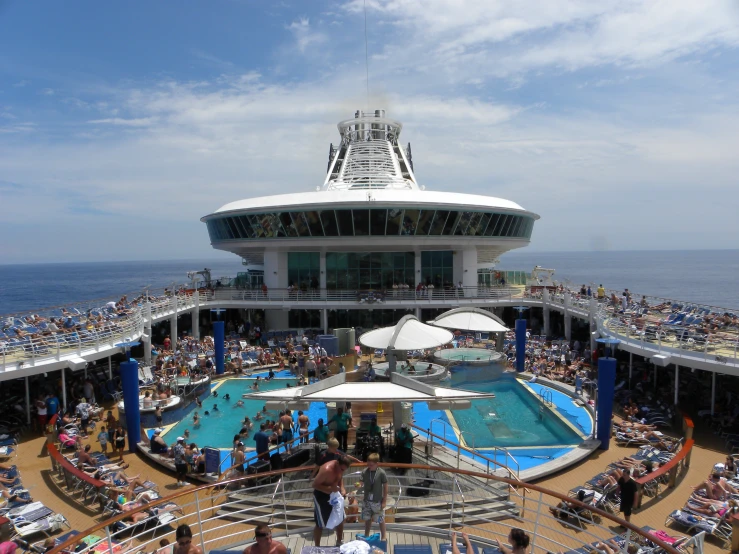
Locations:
(422, 488)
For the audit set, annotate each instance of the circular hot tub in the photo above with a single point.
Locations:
(468, 356)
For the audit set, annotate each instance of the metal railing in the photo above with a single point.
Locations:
(222, 514)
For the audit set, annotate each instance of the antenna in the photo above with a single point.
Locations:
(366, 52)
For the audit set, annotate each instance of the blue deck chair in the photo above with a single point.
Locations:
(412, 549)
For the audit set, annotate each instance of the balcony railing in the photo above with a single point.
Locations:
(221, 515)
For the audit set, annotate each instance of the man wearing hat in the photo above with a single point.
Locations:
(158, 446)
(404, 445)
(180, 464)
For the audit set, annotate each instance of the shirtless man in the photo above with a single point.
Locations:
(303, 422)
(264, 544)
(287, 428)
(328, 480)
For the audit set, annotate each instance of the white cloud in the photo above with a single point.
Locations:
(305, 35)
(136, 122)
(48, 92)
(21, 83)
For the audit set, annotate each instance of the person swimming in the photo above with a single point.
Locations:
(227, 396)
(215, 394)
(239, 404)
(215, 407)
(206, 412)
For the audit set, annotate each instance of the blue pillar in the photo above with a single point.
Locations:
(606, 391)
(520, 344)
(130, 382)
(219, 338)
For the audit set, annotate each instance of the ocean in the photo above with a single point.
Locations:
(707, 277)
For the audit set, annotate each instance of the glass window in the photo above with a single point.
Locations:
(439, 220)
(499, 225)
(287, 224)
(303, 269)
(410, 222)
(328, 219)
(451, 223)
(507, 225)
(377, 222)
(314, 223)
(437, 268)
(424, 222)
(394, 221)
(346, 224)
(472, 229)
(301, 225)
(464, 222)
(361, 223)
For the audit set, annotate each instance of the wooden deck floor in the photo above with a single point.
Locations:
(37, 477)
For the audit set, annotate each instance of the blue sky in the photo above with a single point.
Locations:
(121, 124)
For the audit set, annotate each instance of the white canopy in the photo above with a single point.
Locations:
(399, 389)
(407, 334)
(470, 319)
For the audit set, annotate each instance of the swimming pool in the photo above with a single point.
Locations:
(514, 418)
(468, 355)
(219, 427)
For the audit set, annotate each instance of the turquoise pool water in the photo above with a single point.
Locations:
(511, 419)
(219, 427)
(462, 354)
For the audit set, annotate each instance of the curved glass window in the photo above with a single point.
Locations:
(376, 222)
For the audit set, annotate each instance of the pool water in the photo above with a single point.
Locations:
(511, 419)
(462, 354)
(217, 429)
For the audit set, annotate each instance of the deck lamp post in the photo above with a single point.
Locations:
(520, 338)
(129, 370)
(219, 339)
(605, 391)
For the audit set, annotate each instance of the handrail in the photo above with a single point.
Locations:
(475, 453)
(104, 525)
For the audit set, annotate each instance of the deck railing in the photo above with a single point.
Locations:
(221, 516)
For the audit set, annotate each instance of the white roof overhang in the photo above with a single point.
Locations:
(470, 319)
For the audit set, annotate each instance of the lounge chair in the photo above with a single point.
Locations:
(719, 528)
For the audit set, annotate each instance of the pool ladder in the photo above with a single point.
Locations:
(546, 397)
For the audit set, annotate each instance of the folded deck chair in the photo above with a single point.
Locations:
(30, 512)
(47, 525)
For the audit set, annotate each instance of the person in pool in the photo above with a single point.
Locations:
(215, 394)
(258, 416)
(227, 396)
(199, 403)
(196, 419)
(239, 404)
(215, 407)
(255, 386)
(264, 409)
(206, 412)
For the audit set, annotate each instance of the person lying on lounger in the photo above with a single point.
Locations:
(715, 488)
(711, 508)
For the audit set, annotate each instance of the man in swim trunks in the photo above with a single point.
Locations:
(303, 422)
(287, 428)
(328, 480)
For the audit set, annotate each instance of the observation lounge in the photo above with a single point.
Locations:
(369, 227)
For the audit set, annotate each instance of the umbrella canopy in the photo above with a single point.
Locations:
(407, 334)
(470, 319)
(399, 389)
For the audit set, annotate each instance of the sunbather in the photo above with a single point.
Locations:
(711, 508)
(13, 497)
(715, 488)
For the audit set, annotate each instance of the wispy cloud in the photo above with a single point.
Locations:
(136, 122)
(21, 83)
(305, 35)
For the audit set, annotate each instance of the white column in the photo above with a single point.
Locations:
(418, 268)
(64, 391)
(28, 404)
(713, 391)
(147, 333)
(469, 271)
(173, 324)
(568, 318)
(322, 266)
(418, 313)
(592, 308)
(545, 311)
(196, 317)
(677, 382)
(324, 320)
